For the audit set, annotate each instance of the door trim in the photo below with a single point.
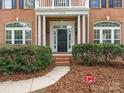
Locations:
(60, 25)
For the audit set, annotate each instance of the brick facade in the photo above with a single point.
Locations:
(28, 15)
(115, 14)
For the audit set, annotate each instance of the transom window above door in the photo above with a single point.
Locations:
(107, 32)
(18, 33)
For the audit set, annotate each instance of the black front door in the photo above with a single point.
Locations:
(62, 40)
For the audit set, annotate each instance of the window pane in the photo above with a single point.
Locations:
(96, 41)
(18, 36)
(115, 3)
(0, 4)
(8, 4)
(96, 34)
(29, 3)
(106, 41)
(103, 5)
(21, 4)
(106, 34)
(94, 3)
(28, 36)
(116, 41)
(117, 34)
(8, 36)
(13, 3)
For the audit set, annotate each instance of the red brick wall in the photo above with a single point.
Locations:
(9, 15)
(115, 14)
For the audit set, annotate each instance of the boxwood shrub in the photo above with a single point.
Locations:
(23, 58)
(92, 54)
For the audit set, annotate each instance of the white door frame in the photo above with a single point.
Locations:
(54, 26)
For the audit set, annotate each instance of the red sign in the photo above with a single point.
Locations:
(89, 79)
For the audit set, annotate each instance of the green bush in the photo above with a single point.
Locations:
(92, 54)
(23, 58)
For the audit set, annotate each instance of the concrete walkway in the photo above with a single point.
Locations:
(26, 86)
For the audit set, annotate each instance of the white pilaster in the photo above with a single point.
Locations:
(79, 31)
(69, 3)
(39, 30)
(84, 28)
(44, 30)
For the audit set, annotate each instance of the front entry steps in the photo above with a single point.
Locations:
(62, 59)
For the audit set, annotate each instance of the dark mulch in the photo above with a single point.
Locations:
(109, 79)
(24, 76)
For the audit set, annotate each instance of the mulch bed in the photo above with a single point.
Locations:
(109, 79)
(24, 76)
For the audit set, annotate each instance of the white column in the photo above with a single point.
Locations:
(84, 29)
(39, 30)
(36, 3)
(70, 3)
(44, 30)
(52, 3)
(79, 31)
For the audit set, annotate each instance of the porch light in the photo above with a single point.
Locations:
(108, 18)
(17, 19)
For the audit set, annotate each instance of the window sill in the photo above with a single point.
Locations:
(26, 8)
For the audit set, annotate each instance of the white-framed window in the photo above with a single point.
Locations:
(7, 4)
(18, 33)
(29, 3)
(107, 32)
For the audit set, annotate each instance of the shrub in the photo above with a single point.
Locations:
(92, 54)
(87, 52)
(23, 58)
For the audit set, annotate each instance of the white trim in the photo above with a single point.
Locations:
(39, 30)
(112, 36)
(13, 37)
(62, 11)
(79, 30)
(112, 33)
(36, 30)
(61, 24)
(23, 29)
(23, 36)
(84, 28)
(44, 30)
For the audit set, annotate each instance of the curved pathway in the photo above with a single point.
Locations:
(26, 86)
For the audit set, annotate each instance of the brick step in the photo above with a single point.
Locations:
(63, 63)
(62, 59)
